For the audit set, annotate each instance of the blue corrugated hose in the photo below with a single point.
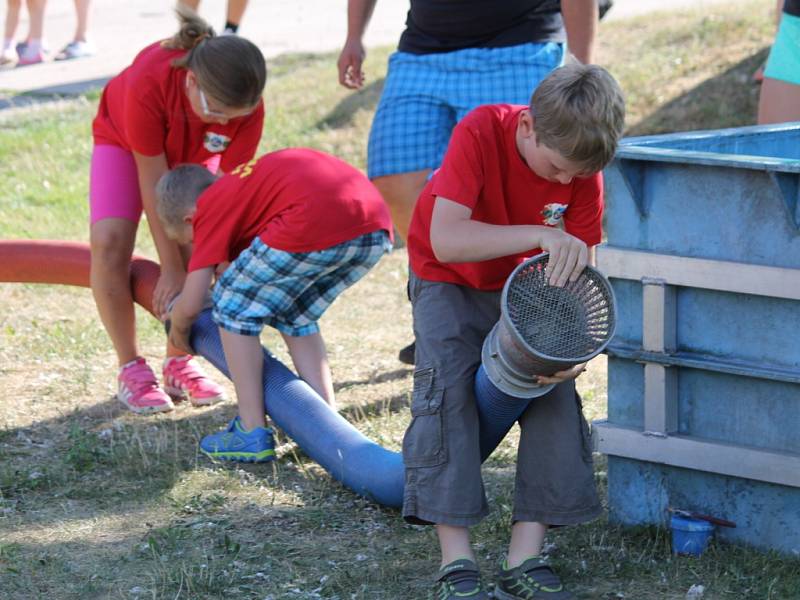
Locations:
(326, 437)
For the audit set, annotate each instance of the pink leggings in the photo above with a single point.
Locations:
(114, 185)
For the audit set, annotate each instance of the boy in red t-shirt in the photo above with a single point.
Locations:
(515, 181)
(300, 227)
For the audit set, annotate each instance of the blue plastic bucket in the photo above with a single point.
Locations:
(690, 536)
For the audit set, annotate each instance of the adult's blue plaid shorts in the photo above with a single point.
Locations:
(290, 290)
(425, 95)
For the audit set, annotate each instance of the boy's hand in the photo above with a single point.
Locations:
(187, 306)
(169, 285)
(179, 334)
(562, 376)
(568, 256)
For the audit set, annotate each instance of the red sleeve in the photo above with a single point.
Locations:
(143, 120)
(245, 143)
(461, 175)
(584, 217)
(214, 227)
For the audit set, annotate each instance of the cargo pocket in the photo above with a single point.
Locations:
(424, 443)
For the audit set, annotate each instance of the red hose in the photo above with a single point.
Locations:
(67, 263)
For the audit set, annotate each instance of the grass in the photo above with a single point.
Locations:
(98, 503)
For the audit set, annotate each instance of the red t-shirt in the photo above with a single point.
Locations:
(483, 170)
(145, 109)
(296, 200)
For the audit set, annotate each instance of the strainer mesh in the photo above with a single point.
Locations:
(569, 322)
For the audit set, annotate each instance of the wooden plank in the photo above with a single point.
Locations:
(743, 278)
(782, 468)
(658, 316)
(659, 335)
(660, 399)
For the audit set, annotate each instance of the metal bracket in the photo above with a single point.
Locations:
(633, 173)
(788, 185)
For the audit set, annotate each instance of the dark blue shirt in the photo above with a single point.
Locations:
(447, 25)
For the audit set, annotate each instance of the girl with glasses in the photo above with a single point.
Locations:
(194, 98)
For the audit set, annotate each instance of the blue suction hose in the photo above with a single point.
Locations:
(497, 412)
(325, 436)
(351, 458)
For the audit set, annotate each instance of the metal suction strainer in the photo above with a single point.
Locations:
(544, 329)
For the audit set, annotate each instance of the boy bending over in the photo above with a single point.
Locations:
(300, 227)
(516, 180)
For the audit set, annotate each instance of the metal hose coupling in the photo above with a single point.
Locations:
(544, 329)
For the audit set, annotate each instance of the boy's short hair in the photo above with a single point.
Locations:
(579, 112)
(177, 192)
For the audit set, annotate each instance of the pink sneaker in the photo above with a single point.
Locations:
(29, 55)
(184, 378)
(139, 391)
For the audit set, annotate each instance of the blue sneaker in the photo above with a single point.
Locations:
(239, 445)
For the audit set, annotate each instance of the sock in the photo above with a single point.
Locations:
(129, 363)
(232, 27)
(8, 43)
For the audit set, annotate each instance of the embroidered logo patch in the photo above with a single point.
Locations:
(215, 142)
(552, 213)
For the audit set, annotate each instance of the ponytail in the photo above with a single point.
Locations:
(230, 68)
(194, 29)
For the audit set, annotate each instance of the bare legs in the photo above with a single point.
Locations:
(82, 14)
(112, 243)
(244, 357)
(526, 541)
(36, 13)
(311, 363)
(779, 101)
(454, 543)
(245, 362)
(233, 14)
(12, 19)
(401, 192)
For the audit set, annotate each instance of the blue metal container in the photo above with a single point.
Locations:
(703, 252)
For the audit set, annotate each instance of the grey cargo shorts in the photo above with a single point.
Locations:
(443, 484)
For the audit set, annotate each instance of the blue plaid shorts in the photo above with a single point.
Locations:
(290, 290)
(425, 95)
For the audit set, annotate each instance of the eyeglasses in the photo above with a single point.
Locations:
(215, 114)
(207, 111)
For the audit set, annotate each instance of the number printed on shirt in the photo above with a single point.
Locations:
(244, 169)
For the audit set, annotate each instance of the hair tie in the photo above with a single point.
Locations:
(200, 38)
